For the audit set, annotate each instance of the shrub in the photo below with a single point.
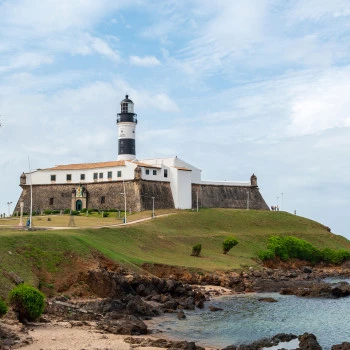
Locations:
(334, 257)
(27, 301)
(84, 210)
(3, 308)
(47, 212)
(75, 212)
(66, 211)
(56, 212)
(112, 210)
(196, 250)
(105, 214)
(290, 247)
(266, 254)
(228, 244)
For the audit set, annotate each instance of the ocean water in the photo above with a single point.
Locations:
(244, 319)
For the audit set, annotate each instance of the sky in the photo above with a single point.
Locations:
(234, 87)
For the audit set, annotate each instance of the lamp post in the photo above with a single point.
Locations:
(282, 200)
(124, 202)
(21, 205)
(153, 207)
(9, 205)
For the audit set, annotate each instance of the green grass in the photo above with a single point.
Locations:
(165, 240)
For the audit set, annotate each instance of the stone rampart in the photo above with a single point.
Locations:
(100, 195)
(139, 193)
(218, 196)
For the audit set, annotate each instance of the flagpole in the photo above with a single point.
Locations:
(31, 197)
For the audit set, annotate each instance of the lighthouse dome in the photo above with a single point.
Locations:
(127, 106)
(126, 99)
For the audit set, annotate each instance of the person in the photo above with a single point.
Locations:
(277, 208)
(272, 208)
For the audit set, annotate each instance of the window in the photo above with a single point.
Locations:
(154, 172)
(103, 200)
(53, 177)
(119, 173)
(147, 171)
(95, 176)
(109, 174)
(124, 107)
(69, 177)
(82, 177)
(165, 172)
(101, 176)
(51, 201)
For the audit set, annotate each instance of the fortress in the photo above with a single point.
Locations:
(128, 183)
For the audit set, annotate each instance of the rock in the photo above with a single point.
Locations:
(170, 305)
(307, 269)
(13, 277)
(268, 300)
(163, 343)
(308, 342)
(188, 303)
(342, 346)
(181, 315)
(137, 307)
(214, 308)
(126, 324)
(286, 291)
(200, 304)
(263, 343)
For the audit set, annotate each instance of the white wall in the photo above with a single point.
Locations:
(176, 162)
(43, 177)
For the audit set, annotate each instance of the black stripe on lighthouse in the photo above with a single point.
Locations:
(126, 146)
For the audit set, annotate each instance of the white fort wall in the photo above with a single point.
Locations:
(43, 177)
(181, 176)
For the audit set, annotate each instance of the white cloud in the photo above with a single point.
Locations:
(146, 61)
(51, 16)
(24, 60)
(321, 104)
(319, 9)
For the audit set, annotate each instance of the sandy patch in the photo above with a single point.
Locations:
(62, 336)
(214, 291)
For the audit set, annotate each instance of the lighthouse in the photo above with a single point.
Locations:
(126, 121)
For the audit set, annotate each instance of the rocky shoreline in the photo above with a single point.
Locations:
(124, 301)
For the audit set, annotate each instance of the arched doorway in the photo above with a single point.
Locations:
(78, 205)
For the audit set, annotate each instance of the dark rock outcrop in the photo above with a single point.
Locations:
(342, 346)
(308, 342)
(163, 343)
(262, 343)
(122, 324)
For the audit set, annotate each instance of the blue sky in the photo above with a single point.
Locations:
(233, 87)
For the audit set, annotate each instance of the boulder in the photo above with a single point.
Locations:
(214, 308)
(181, 315)
(268, 300)
(308, 342)
(342, 346)
(123, 324)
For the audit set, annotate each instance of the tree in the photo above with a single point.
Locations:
(228, 244)
(196, 250)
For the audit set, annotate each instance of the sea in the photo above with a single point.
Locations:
(244, 319)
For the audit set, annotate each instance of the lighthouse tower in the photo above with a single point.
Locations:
(126, 121)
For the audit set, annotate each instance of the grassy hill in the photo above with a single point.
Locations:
(49, 256)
